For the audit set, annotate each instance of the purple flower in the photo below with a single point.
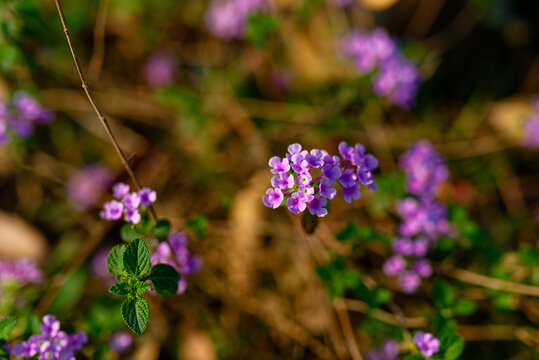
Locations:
(112, 210)
(131, 200)
(147, 196)
(85, 187)
(120, 341)
(421, 246)
(227, 19)
(393, 266)
(119, 190)
(331, 171)
(273, 198)
(398, 80)
(348, 178)
(26, 106)
(304, 179)
(50, 326)
(403, 246)
(316, 206)
(296, 203)
(299, 164)
(22, 271)
(278, 165)
(389, 350)
(326, 189)
(426, 343)
(307, 192)
(530, 138)
(160, 69)
(409, 282)
(283, 181)
(422, 268)
(132, 215)
(315, 158)
(351, 193)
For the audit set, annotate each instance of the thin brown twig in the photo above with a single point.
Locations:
(100, 115)
(347, 329)
(490, 283)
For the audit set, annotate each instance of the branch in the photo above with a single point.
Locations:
(100, 115)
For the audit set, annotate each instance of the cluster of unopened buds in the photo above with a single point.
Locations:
(424, 219)
(306, 179)
(52, 343)
(130, 204)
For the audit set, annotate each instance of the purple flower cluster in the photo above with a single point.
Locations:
(389, 350)
(305, 179)
(530, 138)
(227, 19)
(20, 115)
(160, 69)
(85, 187)
(426, 343)
(130, 204)
(120, 341)
(396, 77)
(175, 253)
(424, 219)
(21, 271)
(52, 343)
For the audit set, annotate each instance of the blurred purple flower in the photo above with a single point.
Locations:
(160, 69)
(426, 343)
(120, 341)
(21, 271)
(85, 187)
(409, 282)
(530, 138)
(389, 350)
(227, 19)
(394, 265)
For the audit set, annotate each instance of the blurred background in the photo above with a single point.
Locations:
(200, 95)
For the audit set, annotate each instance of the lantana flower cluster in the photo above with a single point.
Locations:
(530, 137)
(174, 252)
(424, 219)
(306, 179)
(19, 116)
(396, 78)
(21, 271)
(130, 205)
(52, 343)
(389, 350)
(227, 19)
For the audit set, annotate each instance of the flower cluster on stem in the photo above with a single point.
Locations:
(396, 78)
(131, 204)
(174, 252)
(19, 116)
(306, 179)
(51, 343)
(423, 218)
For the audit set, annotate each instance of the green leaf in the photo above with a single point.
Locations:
(136, 313)
(4, 355)
(128, 233)
(144, 226)
(6, 326)
(137, 258)
(464, 307)
(453, 346)
(164, 279)
(198, 225)
(120, 289)
(381, 296)
(415, 357)
(444, 296)
(162, 228)
(142, 287)
(115, 262)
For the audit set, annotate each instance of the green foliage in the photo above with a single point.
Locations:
(444, 296)
(128, 232)
(260, 27)
(136, 258)
(451, 347)
(115, 262)
(162, 228)
(198, 225)
(131, 265)
(415, 357)
(136, 314)
(145, 226)
(6, 327)
(164, 279)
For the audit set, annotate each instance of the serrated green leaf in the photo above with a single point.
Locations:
(136, 314)
(452, 346)
(128, 233)
(444, 296)
(120, 289)
(137, 258)
(162, 228)
(6, 326)
(164, 279)
(115, 263)
(142, 287)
